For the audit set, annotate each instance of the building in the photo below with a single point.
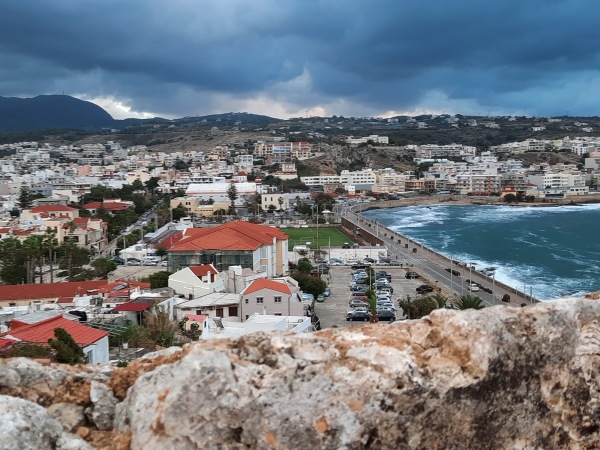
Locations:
(196, 281)
(258, 247)
(374, 138)
(279, 152)
(216, 304)
(279, 297)
(223, 329)
(94, 342)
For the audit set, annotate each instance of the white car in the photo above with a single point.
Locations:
(473, 287)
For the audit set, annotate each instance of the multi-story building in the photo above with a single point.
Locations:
(278, 152)
(258, 247)
(279, 297)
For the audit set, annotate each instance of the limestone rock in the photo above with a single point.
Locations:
(27, 426)
(102, 411)
(69, 415)
(500, 378)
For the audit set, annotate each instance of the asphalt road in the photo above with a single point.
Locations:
(433, 266)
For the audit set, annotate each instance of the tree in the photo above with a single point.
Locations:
(469, 302)
(158, 279)
(13, 269)
(314, 286)
(232, 193)
(50, 244)
(161, 329)
(25, 199)
(419, 307)
(304, 266)
(67, 350)
(372, 301)
(103, 266)
(179, 212)
(280, 201)
(33, 251)
(510, 198)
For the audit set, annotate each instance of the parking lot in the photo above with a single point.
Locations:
(333, 310)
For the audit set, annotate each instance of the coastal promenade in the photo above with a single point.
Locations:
(426, 261)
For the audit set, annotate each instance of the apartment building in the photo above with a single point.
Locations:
(278, 152)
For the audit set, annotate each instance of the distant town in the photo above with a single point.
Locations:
(218, 227)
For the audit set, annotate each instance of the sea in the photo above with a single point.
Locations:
(549, 252)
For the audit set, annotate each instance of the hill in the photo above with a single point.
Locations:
(51, 111)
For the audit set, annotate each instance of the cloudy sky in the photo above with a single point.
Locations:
(289, 58)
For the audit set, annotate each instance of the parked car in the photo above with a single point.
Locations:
(369, 261)
(356, 302)
(379, 286)
(134, 262)
(164, 263)
(327, 292)
(386, 315)
(383, 274)
(395, 262)
(320, 298)
(363, 316)
(412, 275)
(345, 245)
(387, 305)
(335, 262)
(119, 260)
(424, 288)
(473, 287)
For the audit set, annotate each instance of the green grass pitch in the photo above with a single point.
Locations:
(327, 236)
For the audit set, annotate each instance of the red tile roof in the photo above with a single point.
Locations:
(109, 206)
(203, 270)
(236, 235)
(264, 283)
(132, 306)
(51, 208)
(196, 317)
(40, 332)
(6, 342)
(48, 290)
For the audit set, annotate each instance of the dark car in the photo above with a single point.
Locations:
(359, 266)
(412, 275)
(118, 260)
(386, 315)
(379, 286)
(358, 315)
(346, 245)
(424, 288)
(383, 274)
(327, 292)
(369, 260)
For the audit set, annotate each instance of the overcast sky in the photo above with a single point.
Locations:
(289, 58)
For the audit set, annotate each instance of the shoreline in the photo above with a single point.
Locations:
(422, 201)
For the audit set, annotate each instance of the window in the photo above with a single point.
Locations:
(277, 314)
(233, 311)
(277, 299)
(12, 304)
(247, 301)
(259, 299)
(199, 312)
(247, 315)
(219, 312)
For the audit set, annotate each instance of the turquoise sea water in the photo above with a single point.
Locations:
(553, 252)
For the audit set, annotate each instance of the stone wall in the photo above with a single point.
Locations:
(499, 378)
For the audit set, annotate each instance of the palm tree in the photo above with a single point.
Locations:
(280, 201)
(33, 251)
(469, 302)
(50, 243)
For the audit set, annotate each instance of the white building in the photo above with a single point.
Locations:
(223, 329)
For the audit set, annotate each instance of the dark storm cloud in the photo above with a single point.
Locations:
(185, 57)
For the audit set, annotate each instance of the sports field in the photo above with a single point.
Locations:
(327, 236)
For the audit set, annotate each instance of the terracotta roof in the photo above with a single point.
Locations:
(6, 342)
(42, 331)
(196, 317)
(109, 206)
(51, 208)
(203, 270)
(4, 230)
(236, 235)
(48, 290)
(132, 306)
(264, 283)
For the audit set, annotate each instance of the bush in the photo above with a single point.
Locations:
(67, 350)
(31, 351)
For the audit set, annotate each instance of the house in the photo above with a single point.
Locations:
(216, 328)
(194, 319)
(217, 304)
(257, 247)
(279, 297)
(45, 293)
(94, 342)
(111, 205)
(132, 310)
(49, 212)
(196, 281)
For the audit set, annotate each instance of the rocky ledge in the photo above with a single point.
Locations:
(500, 378)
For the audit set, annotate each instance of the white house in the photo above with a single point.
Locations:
(196, 281)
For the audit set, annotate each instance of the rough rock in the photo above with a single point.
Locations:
(27, 426)
(500, 378)
(70, 416)
(102, 411)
